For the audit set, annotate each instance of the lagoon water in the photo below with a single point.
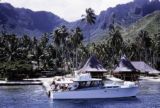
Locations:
(35, 97)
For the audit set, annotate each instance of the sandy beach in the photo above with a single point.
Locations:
(150, 79)
(50, 79)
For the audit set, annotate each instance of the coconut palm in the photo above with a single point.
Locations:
(43, 45)
(59, 37)
(11, 47)
(115, 42)
(144, 42)
(25, 45)
(2, 48)
(156, 50)
(90, 19)
(90, 16)
(76, 40)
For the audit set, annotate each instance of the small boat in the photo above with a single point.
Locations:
(85, 87)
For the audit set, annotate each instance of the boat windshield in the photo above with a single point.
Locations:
(86, 84)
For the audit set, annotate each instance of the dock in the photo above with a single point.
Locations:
(12, 83)
(45, 82)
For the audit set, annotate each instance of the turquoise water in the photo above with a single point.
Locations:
(35, 97)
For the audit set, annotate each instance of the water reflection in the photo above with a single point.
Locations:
(149, 97)
(35, 97)
(93, 103)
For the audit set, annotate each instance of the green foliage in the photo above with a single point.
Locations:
(15, 69)
(149, 23)
(16, 65)
(90, 16)
(65, 50)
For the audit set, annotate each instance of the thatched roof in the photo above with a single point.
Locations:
(125, 66)
(92, 65)
(143, 67)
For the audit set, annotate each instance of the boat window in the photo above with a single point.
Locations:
(112, 86)
(82, 84)
(86, 84)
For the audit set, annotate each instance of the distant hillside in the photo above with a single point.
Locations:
(126, 14)
(24, 21)
(149, 23)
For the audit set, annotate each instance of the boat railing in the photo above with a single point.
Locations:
(75, 85)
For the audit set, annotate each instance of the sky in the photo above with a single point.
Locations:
(69, 10)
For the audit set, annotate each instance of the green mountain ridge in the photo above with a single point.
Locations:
(149, 23)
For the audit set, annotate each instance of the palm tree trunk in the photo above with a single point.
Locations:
(89, 40)
(76, 59)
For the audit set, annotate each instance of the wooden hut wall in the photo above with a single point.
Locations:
(127, 76)
(97, 74)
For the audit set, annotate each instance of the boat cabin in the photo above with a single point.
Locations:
(80, 82)
(85, 81)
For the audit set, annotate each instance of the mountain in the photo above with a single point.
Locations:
(24, 21)
(150, 23)
(126, 14)
(20, 20)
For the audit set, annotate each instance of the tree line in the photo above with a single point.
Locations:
(64, 48)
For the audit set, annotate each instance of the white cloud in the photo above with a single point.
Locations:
(70, 10)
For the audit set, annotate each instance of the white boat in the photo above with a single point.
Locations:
(85, 87)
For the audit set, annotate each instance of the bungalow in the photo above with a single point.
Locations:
(126, 71)
(145, 68)
(94, 67)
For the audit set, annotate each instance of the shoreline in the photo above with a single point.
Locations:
(13, 83)
(47, 81)
(30, 81)
(150, 79)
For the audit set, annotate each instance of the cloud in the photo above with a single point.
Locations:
(70, 10)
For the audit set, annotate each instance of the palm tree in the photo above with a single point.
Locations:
(35, 52)
(44, 46)
(60, 36)
(11, 47)
(25, 45)
(156, 50)
(76, 40)
(44, 41)
(2, 48)
(90, 18)
(144, 41)
(115, 41)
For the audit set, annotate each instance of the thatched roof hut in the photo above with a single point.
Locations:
(144, 68)
(94, 67)
(124, 66)
(125, 70)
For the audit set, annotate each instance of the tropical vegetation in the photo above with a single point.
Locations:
(63, 50)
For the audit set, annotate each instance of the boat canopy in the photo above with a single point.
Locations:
(64, 81)
(85, 77)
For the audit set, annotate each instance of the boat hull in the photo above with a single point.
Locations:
(96, 93)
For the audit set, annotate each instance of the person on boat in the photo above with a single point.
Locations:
(53, 85)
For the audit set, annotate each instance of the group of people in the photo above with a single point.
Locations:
(75, 85)
(63, 86)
